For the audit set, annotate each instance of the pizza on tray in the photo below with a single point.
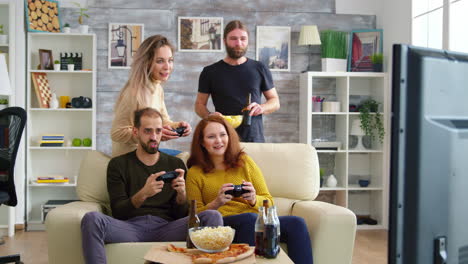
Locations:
(234, 253)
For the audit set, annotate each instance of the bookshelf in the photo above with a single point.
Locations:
(347, 163)
(58, 161)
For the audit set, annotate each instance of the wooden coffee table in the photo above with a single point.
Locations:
(281, 258)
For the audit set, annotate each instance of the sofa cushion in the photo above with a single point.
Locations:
(92, 181)
(294, 174)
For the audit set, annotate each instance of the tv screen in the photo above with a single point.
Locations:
(429, 157)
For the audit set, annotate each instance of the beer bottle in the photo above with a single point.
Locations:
(246, 118)
(259, 231)
(193, 221)
(271, 247)
(276, 219)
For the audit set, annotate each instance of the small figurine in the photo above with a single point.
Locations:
(53, 103)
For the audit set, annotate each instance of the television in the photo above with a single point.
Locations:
(429, 157)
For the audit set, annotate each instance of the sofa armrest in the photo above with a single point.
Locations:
(63, 226)
(332, 230)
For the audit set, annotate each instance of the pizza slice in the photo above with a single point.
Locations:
(172, 248)
(234, 253)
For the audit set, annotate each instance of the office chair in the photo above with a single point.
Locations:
(12, 122)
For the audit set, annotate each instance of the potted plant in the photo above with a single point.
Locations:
(322, 172)
(56, 65)
(333, 50)
(377, 62)
(3, 36)
(71, 64)
(3, 103)
(66, 28)
(371, 119)
(81, 13)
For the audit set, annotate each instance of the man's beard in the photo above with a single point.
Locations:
(235, 54)
(148, 149)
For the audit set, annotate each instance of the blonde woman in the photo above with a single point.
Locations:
(152, 65)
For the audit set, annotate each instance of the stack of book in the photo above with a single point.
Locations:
(52, 140)
(52, 179)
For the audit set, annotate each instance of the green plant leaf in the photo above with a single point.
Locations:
(333, 44)
(371, 119)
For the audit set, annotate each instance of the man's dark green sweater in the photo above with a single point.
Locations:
(126, 175)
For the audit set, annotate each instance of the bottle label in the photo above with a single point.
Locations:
(271, 241)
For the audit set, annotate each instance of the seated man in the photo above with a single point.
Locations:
(144, 209)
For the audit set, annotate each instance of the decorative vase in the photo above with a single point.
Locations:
(84, 29)
(71, 67)
(331, 181)
(377, 67)
(67, 30)
(364, 183)
(334, 65)
(56, 67)
(53, 103)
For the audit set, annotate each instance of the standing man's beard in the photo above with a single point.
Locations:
(148, 148)
(235, 54)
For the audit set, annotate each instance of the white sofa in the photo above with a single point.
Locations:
(292, 175)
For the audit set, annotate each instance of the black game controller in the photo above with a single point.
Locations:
(237, 191)
(168, 176)
(179, 130)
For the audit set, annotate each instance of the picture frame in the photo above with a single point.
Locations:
(200, 34)
(46, 60)
(274, 47)
(124, 41)
(42, 16)
(362, 44)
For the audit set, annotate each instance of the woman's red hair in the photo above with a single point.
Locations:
(200, 157)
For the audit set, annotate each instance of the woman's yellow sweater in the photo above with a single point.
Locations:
(204, 187)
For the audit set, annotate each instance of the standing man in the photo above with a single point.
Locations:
(144, 209)
(231, 80)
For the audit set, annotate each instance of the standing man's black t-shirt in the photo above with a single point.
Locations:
(229, 86)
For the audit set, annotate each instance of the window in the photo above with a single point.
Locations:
(440, 24)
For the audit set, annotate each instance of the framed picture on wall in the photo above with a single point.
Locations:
(274, 47)
(200, 34)
(362, 44)
(42, 16)
(124, 41)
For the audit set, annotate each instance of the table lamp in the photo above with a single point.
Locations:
(309, 36)
(5, 88)
(357, 131)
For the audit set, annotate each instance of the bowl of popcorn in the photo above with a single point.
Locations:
(234, 120)
(212, 239)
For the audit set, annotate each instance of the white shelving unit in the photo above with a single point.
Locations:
(349, 165)
(7, 19)
(72, 122)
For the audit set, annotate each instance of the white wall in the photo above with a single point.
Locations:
(361, 7)
(394, 17)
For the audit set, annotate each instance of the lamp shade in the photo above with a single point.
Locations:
(5, 88)
(356, 129)
(309, 36)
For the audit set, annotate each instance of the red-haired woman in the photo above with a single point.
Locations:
(217, 162)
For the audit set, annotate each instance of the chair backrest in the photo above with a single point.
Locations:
(12, 122)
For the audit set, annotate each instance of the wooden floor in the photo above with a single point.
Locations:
(370, 247)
